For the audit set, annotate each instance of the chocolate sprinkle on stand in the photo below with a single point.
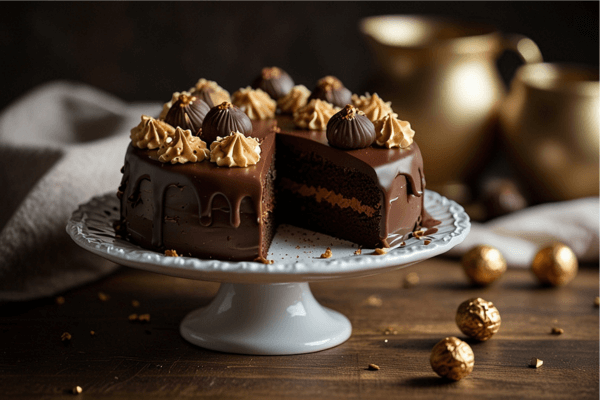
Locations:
(327, 253)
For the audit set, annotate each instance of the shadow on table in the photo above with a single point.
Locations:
(428, 381)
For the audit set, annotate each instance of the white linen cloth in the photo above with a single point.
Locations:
(64, 142)
(60, 144)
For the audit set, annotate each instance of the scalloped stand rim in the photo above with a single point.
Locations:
(252, 316)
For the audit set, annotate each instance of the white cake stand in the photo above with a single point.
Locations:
(268, 309)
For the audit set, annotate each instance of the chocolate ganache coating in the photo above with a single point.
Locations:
(350, 129)
(224, 119)
(275, 81)
(332, 90)
(187, 112)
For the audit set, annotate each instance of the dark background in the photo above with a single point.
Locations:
(145, 51)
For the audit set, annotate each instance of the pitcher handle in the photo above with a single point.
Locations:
(526, 48)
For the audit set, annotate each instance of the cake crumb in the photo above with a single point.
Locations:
(103, 296)
(418, 233)
(380, 251)
(135, 303)
(77, 390)
(327, 253)
(402, 244)
(557, 331)
(374, 301)
(60, 300)
(373, 367)
(390, 330)
(66, 337)
(410, 280)
(427, 242)
(263, 260)
(92, 333)
(171, 253)
(535, 363)
(431, 231)
(358, 252)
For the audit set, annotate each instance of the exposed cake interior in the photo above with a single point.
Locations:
(370, 197)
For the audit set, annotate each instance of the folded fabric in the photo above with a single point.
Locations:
(60, 145)
(520, 235)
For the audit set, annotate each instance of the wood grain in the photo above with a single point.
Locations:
(135, 360)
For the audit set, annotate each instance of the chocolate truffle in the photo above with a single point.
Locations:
(187, 112)
(224, 119)
(275, 81)
(350, 129)
(331, 90)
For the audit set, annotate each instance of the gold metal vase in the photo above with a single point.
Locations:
(549, 122)
(441, 76)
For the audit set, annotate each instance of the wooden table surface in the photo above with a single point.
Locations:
(150, 360)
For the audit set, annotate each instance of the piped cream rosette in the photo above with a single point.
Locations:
(181, 147)
(391, 132)
(235, 150)
(150, 133)
(257, 105)
(373, 106)
(315, 115)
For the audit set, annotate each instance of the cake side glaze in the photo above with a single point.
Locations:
(214, 204)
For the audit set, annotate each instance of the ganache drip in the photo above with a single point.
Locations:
(164, 179)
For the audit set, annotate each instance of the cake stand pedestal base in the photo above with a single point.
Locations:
(269, 319)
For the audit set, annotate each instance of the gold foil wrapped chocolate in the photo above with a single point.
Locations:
(483, 264)
(478, 318)
(452, 358)
(555, 265)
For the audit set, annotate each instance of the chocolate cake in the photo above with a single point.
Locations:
(206, 211)
(311, 178)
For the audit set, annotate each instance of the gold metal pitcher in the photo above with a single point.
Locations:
(550, 124)
(441, 76)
